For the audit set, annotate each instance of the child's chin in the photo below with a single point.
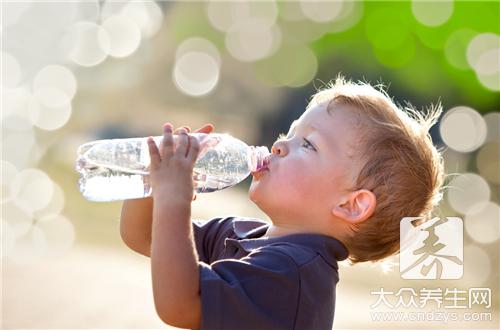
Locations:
(254, 192)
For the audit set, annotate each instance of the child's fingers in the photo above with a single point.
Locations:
(168, 142)
(179, 129)
(154, 154)
(194, 150)
(207, 128)
(182, 144)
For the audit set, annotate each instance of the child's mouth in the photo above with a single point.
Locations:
(260, 172)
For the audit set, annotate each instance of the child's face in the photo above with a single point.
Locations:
(311, 169)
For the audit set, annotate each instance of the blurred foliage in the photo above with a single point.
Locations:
(387, 45)
(417, 68)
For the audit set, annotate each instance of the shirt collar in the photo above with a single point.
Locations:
(249, 233)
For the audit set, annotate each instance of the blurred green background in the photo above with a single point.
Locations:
(78, 71)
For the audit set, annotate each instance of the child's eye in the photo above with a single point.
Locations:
(308, 144)
(305, 144)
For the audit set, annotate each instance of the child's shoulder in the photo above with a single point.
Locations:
(299, 253)
(240, 227)
(301, 248)
(310, 249)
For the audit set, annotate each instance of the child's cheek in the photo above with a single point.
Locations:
(291, 179)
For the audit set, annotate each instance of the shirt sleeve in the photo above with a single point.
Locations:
(259, 291)
(209, 235)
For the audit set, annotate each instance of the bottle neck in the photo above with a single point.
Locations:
(257, 158)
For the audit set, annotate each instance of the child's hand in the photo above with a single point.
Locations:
(171, 168)
(207, 129)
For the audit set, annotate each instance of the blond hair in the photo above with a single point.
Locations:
(400, 164)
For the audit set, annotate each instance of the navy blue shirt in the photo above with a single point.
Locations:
(254, 283)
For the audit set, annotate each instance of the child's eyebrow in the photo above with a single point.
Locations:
(310, 127)
(294, 125)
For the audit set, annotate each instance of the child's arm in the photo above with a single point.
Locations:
(137, 216)
(135, 224)
(174, 261)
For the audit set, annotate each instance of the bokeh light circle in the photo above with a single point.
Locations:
(321, 11)
(196, 73)
(52, 118)
(490, 81)
(482, 222)
(197, 44)
(351, 14)
(477, 265)
(466, 190)
(146, 14)
(32, 189)
(479, 45)
(30, 247)
(250, 40)
(455, 48)
(463, 129)
(488, 62)
(432, 13)
(19, 219)
(124, 35)
(488, 161)
(55, 205)
(91, 44)
(58, 77)
(20, 103)
(51, 97)
(223, 15)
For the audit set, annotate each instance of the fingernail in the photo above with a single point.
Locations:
(167, 127)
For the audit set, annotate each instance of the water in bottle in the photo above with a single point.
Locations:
(117, 169)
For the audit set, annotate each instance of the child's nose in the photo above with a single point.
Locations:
(279, 148)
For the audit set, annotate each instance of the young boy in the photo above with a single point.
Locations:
(336, 187)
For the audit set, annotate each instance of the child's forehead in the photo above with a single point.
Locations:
(316, 119)
(330, 124)
(317, 113)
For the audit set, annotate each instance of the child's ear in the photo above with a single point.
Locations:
(356, 207)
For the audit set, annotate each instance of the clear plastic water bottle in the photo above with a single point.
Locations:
(117, 169)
